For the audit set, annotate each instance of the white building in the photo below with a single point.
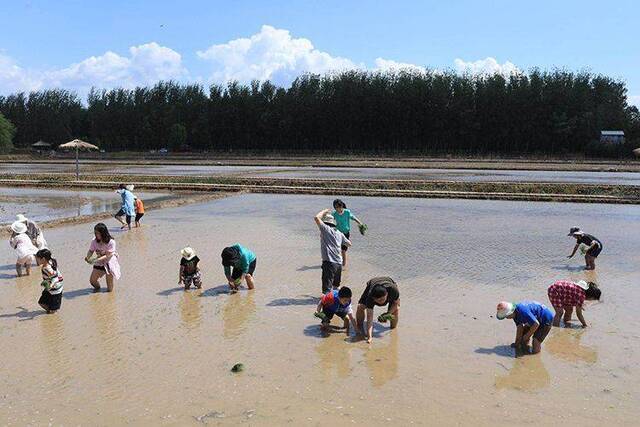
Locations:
(612, 136)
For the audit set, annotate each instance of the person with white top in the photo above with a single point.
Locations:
(24, 248)
(33, 231)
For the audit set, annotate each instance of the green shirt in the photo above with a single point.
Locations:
(343, 222)
(246, 258)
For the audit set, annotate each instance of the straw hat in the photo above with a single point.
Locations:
(584, 285)
(329, 219)
(19, 227)
(575, 231)
(188, 253)
(504, 309)
(21, 218)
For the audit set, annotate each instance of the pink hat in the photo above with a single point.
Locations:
(504, 309)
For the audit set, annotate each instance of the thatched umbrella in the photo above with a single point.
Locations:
(41, 144)
(637, 152)
(78, 145)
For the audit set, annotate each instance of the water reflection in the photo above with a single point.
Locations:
(565, 344)
(237, 311)
(526, 374)
(381, 359)
(190, 309)
(334, 353)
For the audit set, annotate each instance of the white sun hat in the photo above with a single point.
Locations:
(329, 219)
(21, 218)
(188, 253)
(129, 187)
(583, 284)
(575, 231)
(504, 309)
(19, 227)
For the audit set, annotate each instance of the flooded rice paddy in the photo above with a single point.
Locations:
(48, 204)
(152, 354)
(460, 175)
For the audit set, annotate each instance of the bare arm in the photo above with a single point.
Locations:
(319, 307)
(575, 248)
(319, 215)
(353, 217)
(369, 324)
(519, 330)
(180, 274)
(580, 316)
(89, 255)
(352, 323)
(393, 307)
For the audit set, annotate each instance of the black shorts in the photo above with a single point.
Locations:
(541, 333)
(329, 315)
(52, 302)
(237, 273)
(120, 213)
(331, 276)
(347, 235)
(99, 268)
(138, 216)
(594, 252)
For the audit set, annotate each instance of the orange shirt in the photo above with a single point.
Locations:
(139, 206)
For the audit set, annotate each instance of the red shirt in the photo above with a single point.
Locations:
(565, 293)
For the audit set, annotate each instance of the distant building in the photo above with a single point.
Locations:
(612, 136)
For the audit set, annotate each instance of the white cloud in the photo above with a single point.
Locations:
(145, 64)
(634, 100)
(14, 78)
(485, 66)
(391, 65)
(270, 54)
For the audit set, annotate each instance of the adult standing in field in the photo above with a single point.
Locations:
(33, 231)
(239, 264)
(103, 256)
(380, 291)
(565, 294)
(127, 210)
(343, 217)
(331, 243)
(593, 244)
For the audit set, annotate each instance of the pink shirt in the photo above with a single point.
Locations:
(112, 266)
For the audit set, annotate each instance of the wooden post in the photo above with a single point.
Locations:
(77, 165)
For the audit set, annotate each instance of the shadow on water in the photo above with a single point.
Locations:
(566, 267)
(78, 293)
(8, 267)
(283, 302)
(168, 292)
(24, 314)
(8, 276)
(218, 290)
(317, 331)
(499, 350)
(309, 267)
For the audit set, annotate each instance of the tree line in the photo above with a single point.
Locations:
(541, 112)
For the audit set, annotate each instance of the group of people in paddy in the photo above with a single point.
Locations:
(533, 320)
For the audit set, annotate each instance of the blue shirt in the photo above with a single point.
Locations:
(331, 304)
(530, 312)
(127, 202)
(343, 222)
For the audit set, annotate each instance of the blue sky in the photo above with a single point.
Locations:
(77, 44)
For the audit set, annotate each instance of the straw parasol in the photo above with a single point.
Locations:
(637, 152)
(41, 144)
(78, 144)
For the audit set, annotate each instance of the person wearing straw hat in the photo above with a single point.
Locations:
(33, 231)
(189, 271)
(23, 247)
(593, 244)
(533, 322)
(331, 243)
(565, 294)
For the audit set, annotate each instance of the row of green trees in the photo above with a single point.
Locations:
(551, 112)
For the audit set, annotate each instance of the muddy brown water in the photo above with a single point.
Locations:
(152, 354)
(49, 204)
